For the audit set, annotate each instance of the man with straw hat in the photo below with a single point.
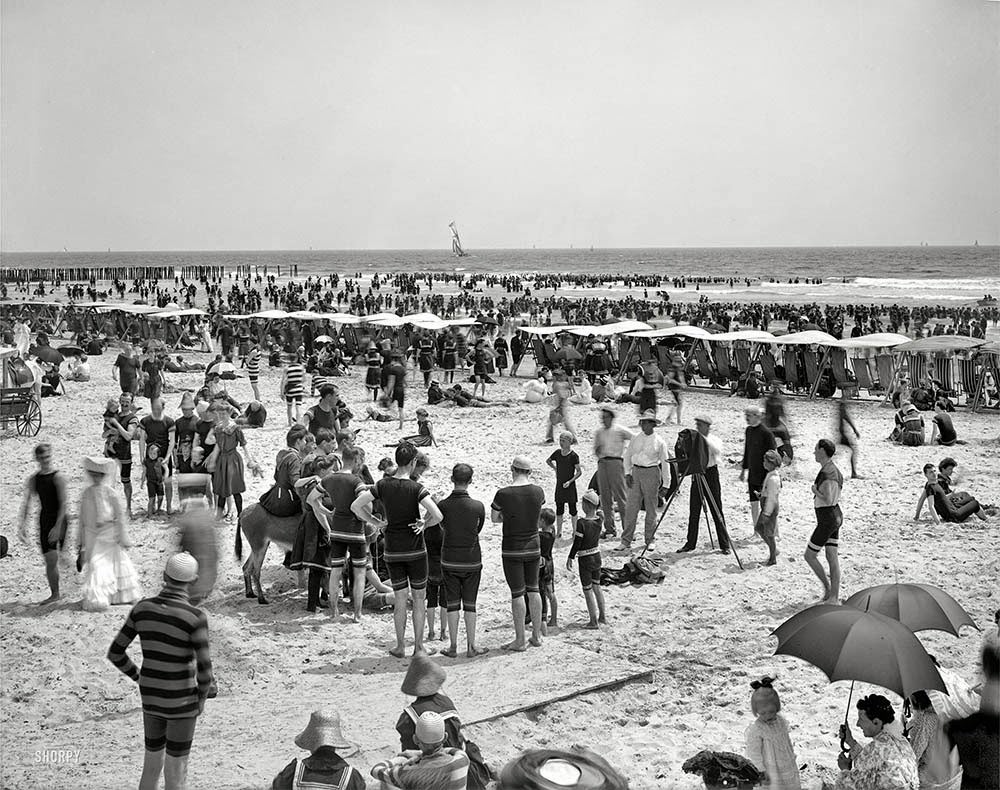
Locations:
(324, 768)
(176, 674)
(646, 464)
(434, 766)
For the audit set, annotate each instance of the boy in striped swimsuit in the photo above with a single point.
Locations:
(252, 362)
(174, 636)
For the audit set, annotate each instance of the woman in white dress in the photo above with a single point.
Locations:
(108, 574)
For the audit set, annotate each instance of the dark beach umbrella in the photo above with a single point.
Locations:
(46, 354)
(70, 351)
(920, 607)
(485, 319)
(846, 643)
(810, 327)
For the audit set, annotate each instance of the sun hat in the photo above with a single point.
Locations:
(182, 567)
(650, 416)
(323, 729)
(187, 400)
(592, 497)
(703, 418)
(430, 727)
(521, 463)
(423, 677)
(96, 464)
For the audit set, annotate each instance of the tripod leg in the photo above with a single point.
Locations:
(722, 521)
(666, 507)
(703, 489)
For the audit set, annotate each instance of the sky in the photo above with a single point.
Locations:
(267, 124)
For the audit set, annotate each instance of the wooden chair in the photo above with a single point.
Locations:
(944, 367)
(766, 361)
(706, 368)
(741, 353)
(863, 373)
(791, 368)
(838, 364)
(721, 355)
(884, 366)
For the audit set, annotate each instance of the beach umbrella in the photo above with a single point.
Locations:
(70, 351)
(716, 328)
(485, 319)
(46, 354)
(846, 643)
(920, 607)
(323, 339)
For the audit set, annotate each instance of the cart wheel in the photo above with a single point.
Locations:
(30, 423)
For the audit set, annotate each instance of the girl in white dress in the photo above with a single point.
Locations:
(108, 574)
(769, 745)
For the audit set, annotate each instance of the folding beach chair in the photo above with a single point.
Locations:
(766, 361)
(646, 352)
(916, 367)
(538, 348)
(664, 359)
(863, 373)
(791, 368)
(967, 374)
(741, 353)
(811, 364)
(706, 369)
(885, 367)
(838, 364)
(721, 355)
(944, 366)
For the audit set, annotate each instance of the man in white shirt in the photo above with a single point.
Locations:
(711, 481)
(609, 447)
(647, 465)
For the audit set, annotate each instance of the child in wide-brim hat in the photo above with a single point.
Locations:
(424, 679)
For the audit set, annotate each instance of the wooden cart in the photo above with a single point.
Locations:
(17, 401)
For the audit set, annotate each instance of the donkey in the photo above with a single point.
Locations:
(262, 529)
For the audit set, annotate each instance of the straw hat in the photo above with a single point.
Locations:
(323, 730)
(430, 727)
(187, 400)
(650, 416)
(182, 567)
(423, 677)
(96, 464)
(592, 497)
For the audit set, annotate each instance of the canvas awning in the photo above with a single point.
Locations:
(749, 335)
(270, 314)
(878, 340)
(811, 337)
(177, 313)
(940, 343)
(683, 330)
(605, 330)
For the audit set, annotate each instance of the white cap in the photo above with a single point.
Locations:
(430, 727)
(182, 567)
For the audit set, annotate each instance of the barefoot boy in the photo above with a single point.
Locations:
(587, 550)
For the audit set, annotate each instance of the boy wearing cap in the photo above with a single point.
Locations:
(586, 550)
(174, 635)
(434, 766)
(323, 768)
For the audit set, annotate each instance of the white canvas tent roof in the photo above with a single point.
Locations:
(750, 335)
(546, 330)
(177, 313)
(604, 330)
(270, 314)
(877, 340)
(682, 330)
(811, 337)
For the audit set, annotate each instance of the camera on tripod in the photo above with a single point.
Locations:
(691, 453)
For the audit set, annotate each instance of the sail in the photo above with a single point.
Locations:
(456, 242)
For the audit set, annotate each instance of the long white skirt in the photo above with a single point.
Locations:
(109, 576)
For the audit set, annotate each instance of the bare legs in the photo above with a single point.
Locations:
(831, 586)
(519, 609)
(52, 575)
(399, 620)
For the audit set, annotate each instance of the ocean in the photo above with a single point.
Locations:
(946, 275)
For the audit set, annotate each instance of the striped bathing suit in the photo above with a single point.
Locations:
(253, 364)
(294, 376)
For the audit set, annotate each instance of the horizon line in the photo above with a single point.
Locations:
(445, 251)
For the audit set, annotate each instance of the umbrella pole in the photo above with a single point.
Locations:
(847, 713)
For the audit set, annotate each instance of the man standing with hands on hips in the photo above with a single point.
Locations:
(647, 465)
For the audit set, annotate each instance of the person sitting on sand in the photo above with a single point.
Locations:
(423, 680)
(909, 430)
(462, 398)
(425, 431)
(78, 369)
(769, 746)
(887, 762)
(586, 549)
(433, 766)
(942, 428)
(536, 390)
(324, 768)
(937, 489)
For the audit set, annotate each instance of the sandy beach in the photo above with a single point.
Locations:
(703, 634)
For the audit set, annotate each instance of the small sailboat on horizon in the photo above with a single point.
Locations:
(456, 243)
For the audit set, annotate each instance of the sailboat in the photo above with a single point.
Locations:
(456, 242)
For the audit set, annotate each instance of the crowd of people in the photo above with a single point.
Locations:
(420, 556)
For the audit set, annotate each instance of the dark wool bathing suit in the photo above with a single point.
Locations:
(405, 551)
(520, 548)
